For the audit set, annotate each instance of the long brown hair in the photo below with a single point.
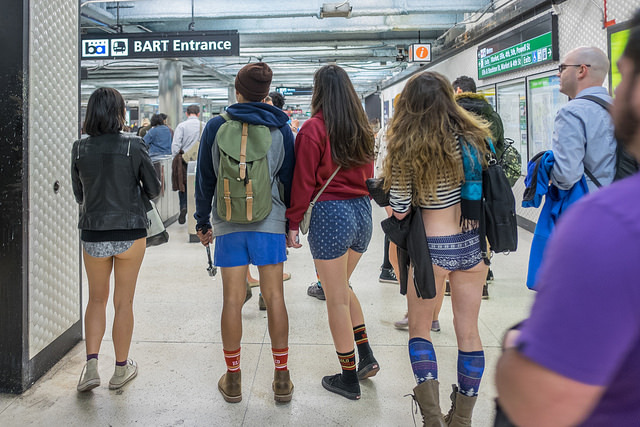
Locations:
(348, 129)
(422, 134)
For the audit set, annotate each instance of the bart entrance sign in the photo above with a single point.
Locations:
(160, 45)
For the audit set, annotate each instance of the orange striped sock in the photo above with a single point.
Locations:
(348, 364)
(280, 358)
(232, 359)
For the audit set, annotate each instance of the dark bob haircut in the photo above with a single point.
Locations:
(158, 119)
(105, 112)
(277, 99)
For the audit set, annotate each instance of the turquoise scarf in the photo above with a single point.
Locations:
(471, 192)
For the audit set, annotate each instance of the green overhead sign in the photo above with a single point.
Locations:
(531, 44)
(523, 54)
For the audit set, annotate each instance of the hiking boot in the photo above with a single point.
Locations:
(334, 384)
(368, 367)
(183, 216)
(387, 275)
(461, 409)
(89, 378)
(316, 291)
(123, 374)
(489, 276)
(261, 304)
(282, 386)
(427, 396)
(435, 326)
(447, 289)
(402, 324)
(230, 386)
(485, 291)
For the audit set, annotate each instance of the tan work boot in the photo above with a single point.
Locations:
(461, 409)
(427, 396)
(282, 386)
(230, 386)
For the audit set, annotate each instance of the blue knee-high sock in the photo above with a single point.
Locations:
(470, 369)
(423, 360)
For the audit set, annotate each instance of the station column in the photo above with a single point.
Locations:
(40, 277)
(170, 90)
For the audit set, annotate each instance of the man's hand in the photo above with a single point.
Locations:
(293, 239)
(205, 238)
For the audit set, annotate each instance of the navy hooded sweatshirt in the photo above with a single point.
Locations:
(281, 162)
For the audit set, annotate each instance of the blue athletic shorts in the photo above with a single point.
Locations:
(339, 225)
(249, 247)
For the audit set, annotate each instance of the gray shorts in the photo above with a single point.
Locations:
(106, 249)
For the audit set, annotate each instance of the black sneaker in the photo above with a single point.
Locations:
(335, 384)
(489, 276)
(183, 216)
(387, 275)
(485, 292)
(447, 289)
(316, 291)
(368, 367)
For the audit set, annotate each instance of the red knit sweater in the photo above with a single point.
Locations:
(314, 166)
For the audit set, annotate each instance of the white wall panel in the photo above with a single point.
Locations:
(54, 289)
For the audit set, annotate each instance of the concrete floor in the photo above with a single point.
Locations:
(177, 345)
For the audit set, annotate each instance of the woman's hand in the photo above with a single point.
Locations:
(293, 239)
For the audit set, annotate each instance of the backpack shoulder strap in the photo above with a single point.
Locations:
(601, 102)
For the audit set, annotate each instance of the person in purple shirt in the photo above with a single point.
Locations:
(574, 361)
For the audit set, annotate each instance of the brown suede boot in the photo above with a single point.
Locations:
(282, 386)
(427, 396)
(230, 386)
(461, 409)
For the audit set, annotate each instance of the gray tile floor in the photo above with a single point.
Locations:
(178, 348)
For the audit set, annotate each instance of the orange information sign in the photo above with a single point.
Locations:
(420, 52)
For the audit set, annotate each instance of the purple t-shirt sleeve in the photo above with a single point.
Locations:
(584, 321)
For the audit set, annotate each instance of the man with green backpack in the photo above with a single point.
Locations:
(243, 186)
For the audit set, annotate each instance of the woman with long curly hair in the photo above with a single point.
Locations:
(435, 155)
(338, 140)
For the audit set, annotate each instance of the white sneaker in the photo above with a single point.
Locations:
(402, 324)
(123, 374)
(89, 378)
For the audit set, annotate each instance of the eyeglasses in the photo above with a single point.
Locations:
(563, 67)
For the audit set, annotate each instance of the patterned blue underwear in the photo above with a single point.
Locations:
(106, 249)
(456, 252)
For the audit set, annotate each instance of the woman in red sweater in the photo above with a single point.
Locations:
(337, 135)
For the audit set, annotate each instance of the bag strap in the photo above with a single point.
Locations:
(315, 199)
(604, 104)
(243, 151)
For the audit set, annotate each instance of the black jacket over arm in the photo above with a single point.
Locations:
(408, 234)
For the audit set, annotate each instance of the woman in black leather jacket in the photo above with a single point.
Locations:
(109, 173)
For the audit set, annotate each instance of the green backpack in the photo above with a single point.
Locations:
(244, 181)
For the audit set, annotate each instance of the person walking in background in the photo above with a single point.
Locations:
(261, 242)
(158, 138)
(113, 221)
(586, 371)
(433, 169)
(146, 125)
(186, 141)
(337, 140)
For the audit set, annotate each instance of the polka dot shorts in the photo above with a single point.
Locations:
(339, 225)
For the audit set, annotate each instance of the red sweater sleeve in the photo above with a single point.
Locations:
(314, 166)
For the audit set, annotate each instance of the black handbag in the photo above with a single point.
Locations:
(499, 208)
(376, 190)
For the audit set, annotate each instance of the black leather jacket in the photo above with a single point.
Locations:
(107, 172)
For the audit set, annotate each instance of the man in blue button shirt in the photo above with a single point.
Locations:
(583, 130)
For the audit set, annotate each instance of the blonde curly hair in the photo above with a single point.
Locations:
(422, 136)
